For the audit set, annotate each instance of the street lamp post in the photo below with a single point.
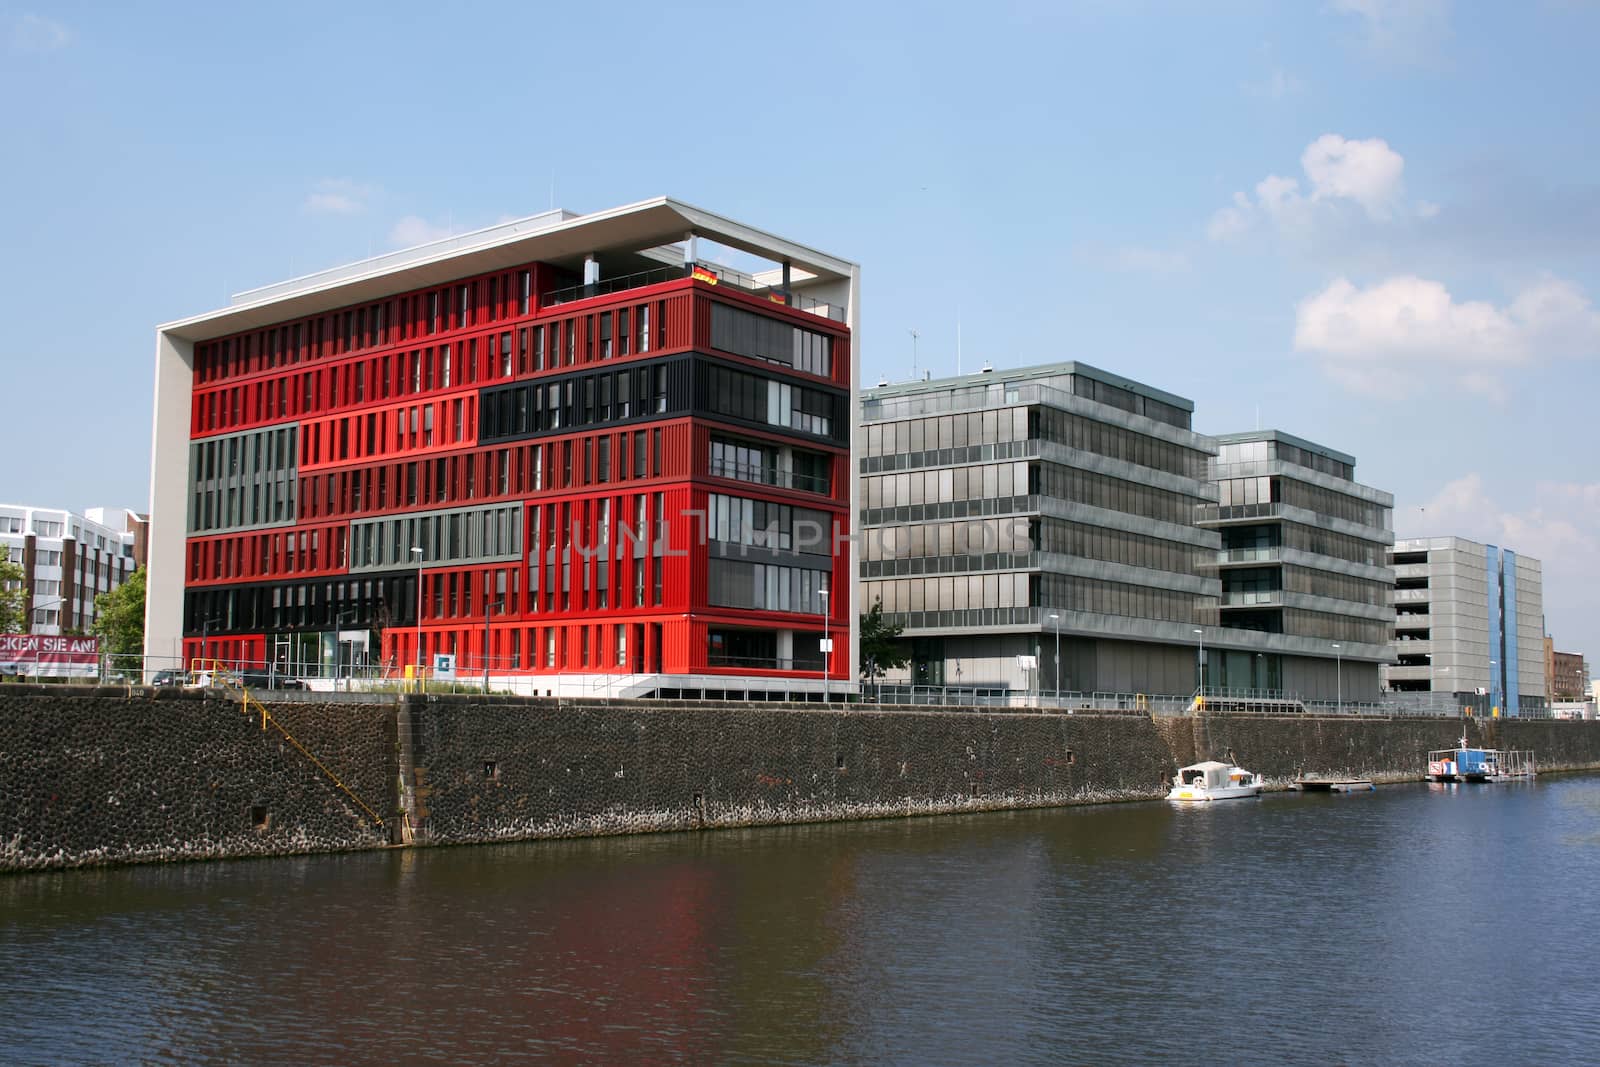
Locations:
(1200, 663)
(340, 667)
(498, 605)
(1338, 678)
(824, 647)
(417, 552)
(1055, 619)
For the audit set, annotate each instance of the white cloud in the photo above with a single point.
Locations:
(35, 33)
(339, 196)
(1231, 221)
(1368, 172)
(1377, 338)
(415, 230)
(1410, 30)
(1560, 528)
(1340, 175)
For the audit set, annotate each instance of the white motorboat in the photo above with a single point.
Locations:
(1214, 781)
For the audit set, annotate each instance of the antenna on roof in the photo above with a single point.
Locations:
(914, 336)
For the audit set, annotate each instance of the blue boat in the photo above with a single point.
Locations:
(1467, 764)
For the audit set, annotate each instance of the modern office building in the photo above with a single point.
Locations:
(1303, 565)
(1566, 674)
(1006, 515)
(67, 560)
(1469, 621)
(565, 451)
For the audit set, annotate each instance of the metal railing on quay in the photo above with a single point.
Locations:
(508, 676)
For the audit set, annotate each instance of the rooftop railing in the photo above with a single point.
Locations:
(724, 276)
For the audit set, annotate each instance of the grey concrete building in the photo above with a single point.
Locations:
(1303, 568)
(1007, 515)
(1469, 621)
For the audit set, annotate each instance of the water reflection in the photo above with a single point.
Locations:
(1328, 927)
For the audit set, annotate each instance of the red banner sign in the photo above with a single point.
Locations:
(36, 655)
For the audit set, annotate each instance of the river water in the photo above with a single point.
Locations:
(1419, 924)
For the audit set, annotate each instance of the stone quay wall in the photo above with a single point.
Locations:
(525, 769)
(131, 775)
(95, 776)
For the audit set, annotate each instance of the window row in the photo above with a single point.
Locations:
(1056, 482)
(529, 408)
(514, 471)
(769, 464)
(1115, 442)
(1326, 502)
(267, 554)
(757, 398)
(496, 356)
(1232, 491)
(244, 479)
(627, 647)
(735, 583)
(981, 482)
(747, 333)
(1302, 623)
(958, 593)
(377, 602)
(456, 306)
(585, 555)
(738, 520)
(460, 536)
(376, 433)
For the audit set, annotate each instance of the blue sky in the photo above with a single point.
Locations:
(1374, 222)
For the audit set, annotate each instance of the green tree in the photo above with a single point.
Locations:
(119, 617)
(881, 648)
(11, 621)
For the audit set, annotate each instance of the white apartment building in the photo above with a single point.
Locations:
(68, 559)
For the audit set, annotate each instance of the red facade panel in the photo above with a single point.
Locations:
(386, 402)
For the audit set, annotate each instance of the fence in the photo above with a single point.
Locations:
(359, 681)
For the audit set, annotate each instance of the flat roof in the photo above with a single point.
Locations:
(1026, 374)
(1246, 436)
(550, 237)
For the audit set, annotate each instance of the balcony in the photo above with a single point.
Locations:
(767, 474)
(658, 275)
(1236, 512)
(1253, 598)
(765, 663)
(1250, 555)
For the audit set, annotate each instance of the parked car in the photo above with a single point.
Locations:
(207, 678)
(168, 678)
(263, 680)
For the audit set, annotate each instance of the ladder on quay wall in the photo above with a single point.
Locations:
(249, 705)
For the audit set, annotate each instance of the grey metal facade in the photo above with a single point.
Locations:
(1005, 515)
(1470, 622)
(1303, 565)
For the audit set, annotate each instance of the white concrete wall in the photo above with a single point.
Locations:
(169, 502)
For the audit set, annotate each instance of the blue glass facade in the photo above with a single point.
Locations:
(1508, 615)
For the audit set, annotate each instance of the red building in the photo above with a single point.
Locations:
(589, 458)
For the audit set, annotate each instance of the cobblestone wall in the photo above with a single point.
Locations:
(529, 770)
(109, 776)
(121, 776)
